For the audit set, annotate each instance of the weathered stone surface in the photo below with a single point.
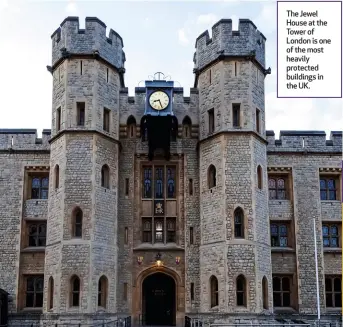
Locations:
(104, 249)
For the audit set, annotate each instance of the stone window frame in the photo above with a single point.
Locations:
(258, 120)
(50, 298)
(330, 176)
(187, 127)
(241, 291)
(103, 292)
(154, 217)
(56, 177)
(259, 175)
(236, 107)
(241, 225)
(105, 176)
(106, 119)
(75, 112)
(291, 291)
(335, 291)
(289, 233)
(131, 127)
(75, 221)
(74, 289)
(211, 121)
(35, 278)
(287, 178)
(211, 176)
(214, 291)
(58, 118)
(265, 302)
(37, 236)
(81, 113)
(30, 175)
(330, 236)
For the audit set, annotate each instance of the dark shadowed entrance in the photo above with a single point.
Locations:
(159, 300)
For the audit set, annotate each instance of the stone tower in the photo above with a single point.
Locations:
(87, 69)
(235, 251)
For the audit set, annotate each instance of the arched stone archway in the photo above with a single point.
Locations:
(141, 286)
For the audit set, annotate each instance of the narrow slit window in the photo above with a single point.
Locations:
(126, 186)
(192, 291)
(211, 121)
(235, 68)
(58, 119)
(236, 113)
(81, 67)
(190, 186)
(106, 121)
(107, 75)
(126, 237)
(258, 126)
(80, 106)
(191, 235)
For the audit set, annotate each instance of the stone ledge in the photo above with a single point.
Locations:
(281, 249)
(158, 247)
(332, 250)
(33, 249)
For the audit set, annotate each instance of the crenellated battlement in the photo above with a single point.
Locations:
(304, 141)
(246, 41)
(24, 139)
(70, 39)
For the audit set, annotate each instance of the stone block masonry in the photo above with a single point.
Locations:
(88, 67)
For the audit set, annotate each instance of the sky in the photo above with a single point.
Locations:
(157, 35)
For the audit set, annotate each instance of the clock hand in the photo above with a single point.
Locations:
(160, 103)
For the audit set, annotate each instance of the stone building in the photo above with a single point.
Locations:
(161, 206)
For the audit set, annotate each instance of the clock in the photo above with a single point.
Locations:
(159, 100)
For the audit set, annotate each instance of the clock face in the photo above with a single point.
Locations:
(159, 100)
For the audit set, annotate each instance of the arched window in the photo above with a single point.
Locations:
(214, 291)
(57, 176)
(212, 176)
(259, 177)
(265, 292)
(51, 293)
(102, 292)
(239, 223)
(75, 291)
(105, 176)
(186, 127)
(241, 298)
(77, 223)
(131, 127)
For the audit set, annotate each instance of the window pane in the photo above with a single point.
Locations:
(337, 285)
(323, 195)
(36, 183)
(147, 183)
(240, 284)
(44, 194)
(75, 299)
(283, 241)
(240, 298)
(332, 195)
(331, 184)
(272, 194)
(325, 230)
(283, 230)
(274, 241)
(159, 183)
(276, 284)
(273, 229)
(39, 300)
(30, 285)
(271, 183)
(171, 182)
(285, 284)
(45, 182)
(29, 300)
(322, 184)
(334, 242)
(328, 299)
(39, 284)
(280, 184)
(326, 241)
(281, 194)
(338, 300)
(333, 230)
(277, 299)
(286, 299)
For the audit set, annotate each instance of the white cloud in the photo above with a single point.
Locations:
(183, 37)
(3, 5)
(71, 7)
(207, 19)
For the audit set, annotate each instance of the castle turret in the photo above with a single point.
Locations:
(235, 259)
(81, 252)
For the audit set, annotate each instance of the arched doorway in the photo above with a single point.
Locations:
(158, 300)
